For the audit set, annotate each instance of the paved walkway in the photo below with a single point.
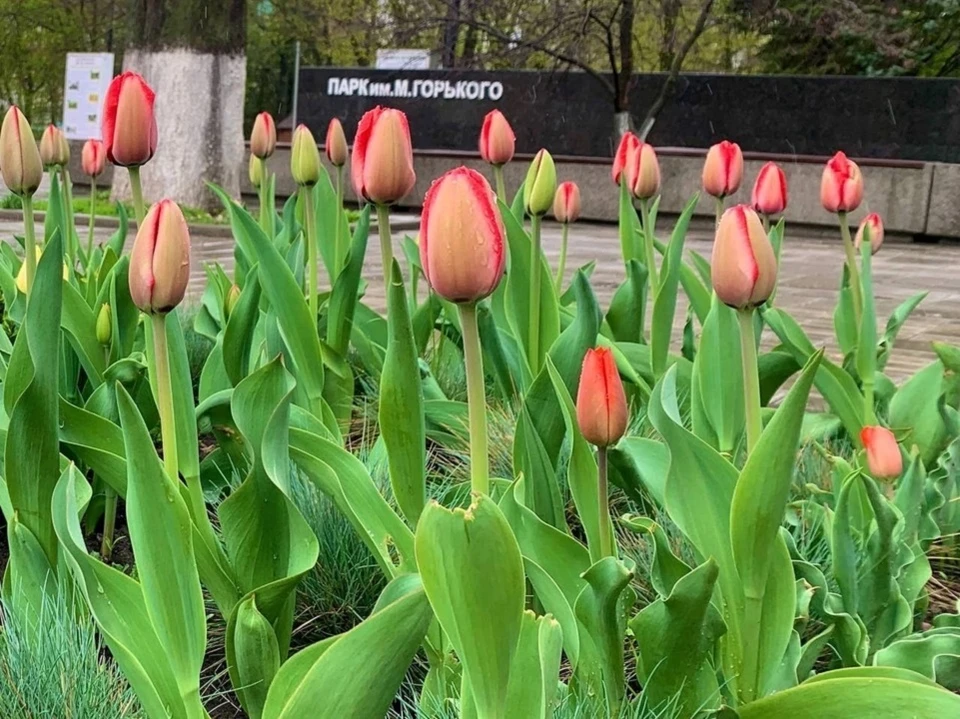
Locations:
(809, 276)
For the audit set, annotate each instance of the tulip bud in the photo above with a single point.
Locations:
(723, 169)
(628, 143)
(883, 453)
(601, 401)
(20, 161)
(336, 144)
(643, 171)
(566, 204)
(233, 296)
(304, 157)
(497, 140)
(104, 325)
(22, 273)
(129, 127)
(382, 163)
(93, 158)
(770, 190)
(462, 239)
(841, 187)
(64, 149)
(54, 151)
(255, 170)
(540, 185)
(874, 226)
(160, 259)
(743, 266)
(263, 136)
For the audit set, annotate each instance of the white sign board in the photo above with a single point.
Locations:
(405, 59)
(87, 79)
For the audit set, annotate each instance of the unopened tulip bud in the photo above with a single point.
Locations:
(20, 161)
(884, 459)
(233, 296)
(872, 225)
(540, 185)
(643, 172)
(160, 259)
(743, 266)
(255, 170)
(336, 144)
(304, 157)
(93, 158)
(770, 190)
(723, 169)
(129, 126)
(263, 136)
(104, 325)
(497, 140)
(22, 273)
(628, 143)
(601, 402)
(64, 149)
(841, 186)
(382, 163)
(54, 152)
(566, 204)
(462, 239)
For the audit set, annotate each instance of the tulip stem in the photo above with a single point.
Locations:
(341, 251)
(563, 257)
(109, 523)
(476, 399)
(534, 309)
(137, 190)
(603, 505)
(751, 378)
(855, 287)
(91, 219)
(312, 270)
(263, 191)
(31, 243)
(168, 427)
(68, 229)
(386, 244)
(765, 219)
(718, 209)
(501, 187)
(648, 245)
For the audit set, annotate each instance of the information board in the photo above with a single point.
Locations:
(87, 79)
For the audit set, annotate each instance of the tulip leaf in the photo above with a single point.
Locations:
(774, 368)
(501, 354)
(80, 324)
(256, 656)
(29, 582)
(239, 331)
(916, 407)
(639, 467)
(625, 316)
(458, 551)
(717, 382)
(666, 568)
(345, 297)
(845, 318)
(535, 669)
(896, 320)
(934, 653)
(96, 441)
(866, 358)
(568, 351)
(628, 223)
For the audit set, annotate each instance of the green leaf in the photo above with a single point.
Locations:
(80, 324)
(866, 358)
(625, 317)
(97, 442)
(639, 466)
(344, 298)
(665, 302)
(897, 319)
(934, 653)
(666, 568)
(239, 332)
(256, 656)
(717, 381)
(916, 407)
(568, 351)
(534, 673)
(629, 224)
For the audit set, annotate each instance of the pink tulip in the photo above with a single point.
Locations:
(628, 143)
(93, 158)
(53, 147)
(336, 144)
(566, 203)
(770, 190)
(601, 402)
(743, 266)
(874, 225)
(883, 453)
(841, 187)
(129, 127)
(382, 164)
(20, 161)
(643, 171)
(160, 259)
(723, 169)
(263, 137)
(497, 140)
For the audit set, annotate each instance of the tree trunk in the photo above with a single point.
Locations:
(191, 52)
(451, 34)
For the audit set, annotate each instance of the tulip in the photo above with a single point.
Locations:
(540, 185)
(129, 127)
(841, 187)
(160, 260)
(628, 143)
(104, 324)
(255, 170)
(93, 158)
(884, 459)
(743, 266)
(770, 190)
(64, 149)
(497, 139)
(22, 273)
(382, 163)
(304, 158)
(538, 191)
(723, 169)
(643, 171)
(336, 144)
(54, 151)
(233, 296)
(462, 238)
(20, 161)
(874, 225)
(263, 136)
(566, 203)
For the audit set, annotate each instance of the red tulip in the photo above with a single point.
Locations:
(54, 149)
(462, 239)
(129, 126)
(601, 401)
(841, 187)
(770, 190)
(20, 161)
(874, 225)
(93, 158)
(628, 143)
(336, 144)
(263, 137)
(723, 169)
(382, 164)
(883, 453)
(160, 259)
(497, 141)
(643, 171)
(566, 203)
(743, 266)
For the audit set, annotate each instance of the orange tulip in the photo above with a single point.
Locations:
(54, 150)
(566, 203)
(382, 164)
(874, 225)
(462, 238)
(160, 259)
(770, 190)
(723, 169)
(628, 143)
(20, 161)
(883, 453)
(263, 137)
(601, 401)
(93, 158)
(643, 171)
(336, 144)
(129, 127)
(497, 140)
(841, 187)
(743, 266)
